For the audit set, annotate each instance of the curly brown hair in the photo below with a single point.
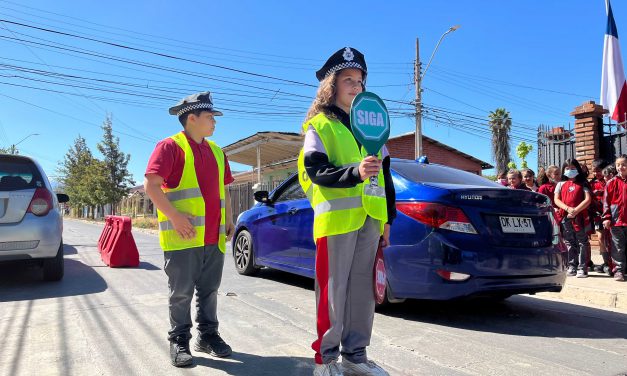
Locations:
(325, 97)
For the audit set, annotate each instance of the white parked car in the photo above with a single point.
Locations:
(31, 225)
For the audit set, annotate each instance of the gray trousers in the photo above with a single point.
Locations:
(577, 244)
(199, 268)
(344, 293)
(619, 238)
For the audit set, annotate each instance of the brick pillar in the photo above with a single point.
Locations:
(588, 130)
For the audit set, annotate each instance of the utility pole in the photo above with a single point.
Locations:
(14, 146)
(417, 82)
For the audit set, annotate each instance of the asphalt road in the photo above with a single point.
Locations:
(103, 321)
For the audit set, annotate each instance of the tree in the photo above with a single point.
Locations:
(74, 171)
(118, 182)
(522, 150)
(500, 124)
(5, 150)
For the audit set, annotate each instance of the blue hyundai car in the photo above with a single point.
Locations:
(456, 235)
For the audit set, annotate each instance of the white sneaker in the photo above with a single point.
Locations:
(369, 368)
(582, 273)
(328, 369)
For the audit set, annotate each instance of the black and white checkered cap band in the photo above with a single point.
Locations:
(347, 64)
(193, 107)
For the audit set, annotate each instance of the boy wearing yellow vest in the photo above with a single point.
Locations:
(334, 171)
(186, 178)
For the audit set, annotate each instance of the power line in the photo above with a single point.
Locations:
(72, 117)
(499, 82)
(168, 56)
(154, 66)
(483, 120)
(527, 103)
(177, 42)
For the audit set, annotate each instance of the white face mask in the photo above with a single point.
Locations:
(571, 173)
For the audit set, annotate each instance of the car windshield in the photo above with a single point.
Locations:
(18, 173)
(426, 173)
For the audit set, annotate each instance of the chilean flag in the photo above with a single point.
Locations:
(613, 84)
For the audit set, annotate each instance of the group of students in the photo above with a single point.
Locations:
(583, 207)
(186, 178)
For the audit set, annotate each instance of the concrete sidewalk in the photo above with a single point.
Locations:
(598, 289)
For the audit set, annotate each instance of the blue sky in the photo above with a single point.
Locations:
(538, 59)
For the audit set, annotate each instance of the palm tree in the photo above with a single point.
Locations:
(500, 124)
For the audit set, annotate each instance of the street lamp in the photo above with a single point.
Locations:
(14, 146)
(418, 77)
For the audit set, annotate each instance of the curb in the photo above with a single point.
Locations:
(593, 296)
(611, 299)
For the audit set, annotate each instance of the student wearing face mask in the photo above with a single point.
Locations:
(502, 179)
(572, 197)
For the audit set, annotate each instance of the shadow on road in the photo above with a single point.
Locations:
(286, 278)
(249, 364)
(23, 281)
(518, 316)
(69, 250)
(147, 266)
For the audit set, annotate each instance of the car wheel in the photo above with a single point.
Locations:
(243, 254)
(54, 267)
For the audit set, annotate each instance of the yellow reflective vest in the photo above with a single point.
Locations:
(187, 198)
(341, 210)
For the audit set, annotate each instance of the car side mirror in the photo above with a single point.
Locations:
(262, 196)
(62, 197)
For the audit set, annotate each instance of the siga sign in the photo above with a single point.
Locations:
(370, 121)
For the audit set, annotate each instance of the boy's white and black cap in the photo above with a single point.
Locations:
(198, 101)
(344, 58)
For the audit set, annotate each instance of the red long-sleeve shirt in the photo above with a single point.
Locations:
(615, 201)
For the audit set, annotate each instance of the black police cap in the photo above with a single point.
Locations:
(195, 102)
(346, 57)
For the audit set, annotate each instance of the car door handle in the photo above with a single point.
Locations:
(292, 211)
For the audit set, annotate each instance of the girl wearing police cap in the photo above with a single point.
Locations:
(347, 227)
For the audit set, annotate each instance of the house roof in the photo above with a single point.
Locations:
(278, 147)
(274, 147)
(484, 165)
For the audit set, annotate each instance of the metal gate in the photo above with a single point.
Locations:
(555, 145)
(613, 142)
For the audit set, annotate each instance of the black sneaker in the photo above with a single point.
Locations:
(572, 271)
(600, 268)
(180, 356)
(213, 344)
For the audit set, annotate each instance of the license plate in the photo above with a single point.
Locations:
(517, 225)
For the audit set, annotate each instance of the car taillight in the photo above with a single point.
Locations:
(41, 203)
(452, 276)
(438, 216)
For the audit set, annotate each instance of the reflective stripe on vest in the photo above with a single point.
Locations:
(338, 204)
(187, 198)
(341, 210)
(183, 194)
(167, 225)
